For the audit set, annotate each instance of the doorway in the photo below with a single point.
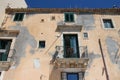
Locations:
(71, 47)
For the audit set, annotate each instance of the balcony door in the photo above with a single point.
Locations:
(71, 48)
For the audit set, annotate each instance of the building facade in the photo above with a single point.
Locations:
(60, 44)
(5, 4)
(10, 3)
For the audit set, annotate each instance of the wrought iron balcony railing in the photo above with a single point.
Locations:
(62, 52)
(72, 61)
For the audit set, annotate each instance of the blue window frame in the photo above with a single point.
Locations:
(72, 76)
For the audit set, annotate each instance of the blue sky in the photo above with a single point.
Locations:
(72, 3)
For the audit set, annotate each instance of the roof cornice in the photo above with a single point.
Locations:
(62, 10)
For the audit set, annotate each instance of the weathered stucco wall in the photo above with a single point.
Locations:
(11, 3)
(34, 63)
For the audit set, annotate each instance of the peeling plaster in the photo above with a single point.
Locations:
(113, 50)
(36, 62)
(87, 20)
(92, 56)
(24, 38)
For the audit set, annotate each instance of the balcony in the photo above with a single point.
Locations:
(80, 62)
(6, 60)
(9, 33)
(69, 26)
(6, 49)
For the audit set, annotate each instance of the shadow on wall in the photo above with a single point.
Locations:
(92, 56)
(113, 48)
(24, 38)
(54, 56)
(55, 74)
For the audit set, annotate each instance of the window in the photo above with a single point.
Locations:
(69, 17)
(4, 49)
(71, 47)
(108, 23)
(72, 76)
(85, 35)
(19, 17)
(41, 44)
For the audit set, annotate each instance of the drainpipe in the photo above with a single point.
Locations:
(106, 72)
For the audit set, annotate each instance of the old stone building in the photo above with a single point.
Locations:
(10, 3)
(60, 44)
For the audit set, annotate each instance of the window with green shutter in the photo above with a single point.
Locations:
(19, 17)
(69, 17)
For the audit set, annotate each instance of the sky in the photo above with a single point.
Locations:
(72, 3)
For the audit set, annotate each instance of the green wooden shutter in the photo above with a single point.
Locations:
(66, 17)
(21, 16)
(71, 16)
(16, 17)
(4, 57)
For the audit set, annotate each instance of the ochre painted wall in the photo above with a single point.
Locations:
(32, 30)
